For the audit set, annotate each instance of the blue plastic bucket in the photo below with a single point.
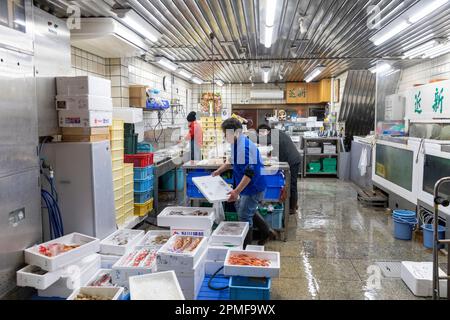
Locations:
(428, 235)
(404, 224)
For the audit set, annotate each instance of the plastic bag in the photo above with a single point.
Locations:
(220, 213)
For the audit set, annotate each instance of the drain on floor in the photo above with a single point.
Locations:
(390, 269)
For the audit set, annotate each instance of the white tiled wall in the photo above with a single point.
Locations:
(84, 63)
(438, 68)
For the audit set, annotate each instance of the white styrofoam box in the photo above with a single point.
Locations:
(215, 189)
(88, 246)
(219, 252)
(100, 273)
(84, 119)
(150, 236)
(86, 102)
(108, 246)
(251, 247)
(121, 272)
(74, 277)
(75, 86)
(418, 276)
(186, 221)
(129, 115)
(29, 277)
(230, 233)
(211, 267)
(156, 286)
(272, 271)
(191, 232)
(169, 260)
(108, 260)
(110, 293)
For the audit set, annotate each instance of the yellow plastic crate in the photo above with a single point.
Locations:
(128, 169)
(129, 213)
(128, 205)
(117, 144)
(120, 221)
(118, 184)
(118, 202)
(142, 209)
(117, 164)
(127, 179)
(117, 154)
(118, 193)
(128, 188)
(117, 174)
(129, 196)
(117, 134)
(117, 124)
(120, 211)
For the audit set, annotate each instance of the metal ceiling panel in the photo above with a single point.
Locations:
(337, 34)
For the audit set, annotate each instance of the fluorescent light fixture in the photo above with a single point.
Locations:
(318, 70)
(271, 6)
(393, 31)
(197, 80)
(184, 73)
(268, 37)
(413, 44)
(138, 24)
(166, 63)
(266, 74)
(391, 72)
(219, 82)
(420, 49)
(424, 8)
(438, 52)
(376, 25)
(380, 68)
(432, 51)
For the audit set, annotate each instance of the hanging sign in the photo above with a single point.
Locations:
(429, 102)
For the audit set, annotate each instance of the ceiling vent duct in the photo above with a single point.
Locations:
(107, 38)
(267, 94)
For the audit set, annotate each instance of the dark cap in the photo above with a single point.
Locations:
(192, 116)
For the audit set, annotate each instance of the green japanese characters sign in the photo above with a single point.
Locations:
(429, 101)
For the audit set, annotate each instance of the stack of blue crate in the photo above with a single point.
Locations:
(143, 184)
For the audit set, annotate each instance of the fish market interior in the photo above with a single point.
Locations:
(224, 149)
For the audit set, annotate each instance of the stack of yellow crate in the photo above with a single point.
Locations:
(128, 191)
(212, 133)
(117, 156)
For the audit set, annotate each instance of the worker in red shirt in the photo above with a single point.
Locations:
(195, 136)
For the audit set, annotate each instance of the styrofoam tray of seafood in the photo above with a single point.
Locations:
(102, 278)
(60, 252)
(154, 239)
(156, 286)
(121, 241)
(97, 293)
(252, 263)
(35, 277)
(181, 252)
(219, 252)
(187, 218)
(134, 263)
(228, 232)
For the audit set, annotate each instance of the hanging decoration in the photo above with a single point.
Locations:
(211, 100)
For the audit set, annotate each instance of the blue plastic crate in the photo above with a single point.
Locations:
(143, 173)
(191, 189)
(144, 147)
(143, 185)
(275, 219)
(272, 193)
(275, 184)
(207, 293)
(143, 197)
(246, 288)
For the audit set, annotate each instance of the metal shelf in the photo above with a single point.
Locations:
(321, 154)
(321, 173)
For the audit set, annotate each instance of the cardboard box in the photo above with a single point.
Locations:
(85, 131)
(81, 119)
(83, 85)
(84, 102)
(88, 138)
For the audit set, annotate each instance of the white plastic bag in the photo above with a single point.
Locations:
(220, 214)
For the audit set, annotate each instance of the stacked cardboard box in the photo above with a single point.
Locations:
(84, 107)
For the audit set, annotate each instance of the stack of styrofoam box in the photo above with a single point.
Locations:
(220, 243)
(128, 192)
(117, 156)
(187, 225)
(58, 276)
(418, 276)
(84, 102)
(189, 267)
